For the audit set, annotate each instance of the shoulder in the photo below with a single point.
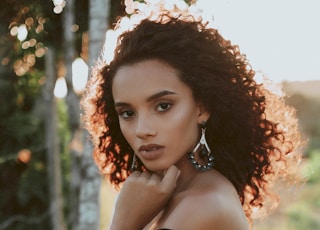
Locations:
(208, 207)
(211, 210)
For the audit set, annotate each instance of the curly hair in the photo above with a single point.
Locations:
(251, 130)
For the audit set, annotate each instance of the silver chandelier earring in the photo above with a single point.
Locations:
(134, 164)
(204, 152)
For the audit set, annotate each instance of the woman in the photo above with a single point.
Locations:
(178, 117)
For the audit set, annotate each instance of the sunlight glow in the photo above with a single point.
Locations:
(148, 9)
(278, 37)
(110, 44)
(260, 34)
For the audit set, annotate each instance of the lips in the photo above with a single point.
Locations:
(151, 151)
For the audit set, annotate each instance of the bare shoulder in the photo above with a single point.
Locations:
(207, 205)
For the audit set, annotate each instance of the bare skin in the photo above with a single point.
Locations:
(207, 201)
(161, 123)
(145, 195)
(202, 201)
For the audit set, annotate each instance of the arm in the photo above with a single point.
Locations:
(142, 197)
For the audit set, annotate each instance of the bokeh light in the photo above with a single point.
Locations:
(22, 32)
(80, 71)
(60, 88)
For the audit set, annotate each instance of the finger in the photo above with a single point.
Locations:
(145, 175)
(155, 178)
(170, 178)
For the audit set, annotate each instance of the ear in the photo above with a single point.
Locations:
(203, 115)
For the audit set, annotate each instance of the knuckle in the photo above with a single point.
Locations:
(152, 184)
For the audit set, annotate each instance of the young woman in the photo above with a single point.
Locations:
(178, 117)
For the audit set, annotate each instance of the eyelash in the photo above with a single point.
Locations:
(126, 114)
(159, 109)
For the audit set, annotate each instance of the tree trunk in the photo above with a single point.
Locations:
(73, 103)
(89, 210)
(52, 145)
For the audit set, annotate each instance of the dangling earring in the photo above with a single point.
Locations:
(204, 152)
(134, 164)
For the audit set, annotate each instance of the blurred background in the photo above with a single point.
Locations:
(47, 47)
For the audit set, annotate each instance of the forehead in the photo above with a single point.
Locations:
(146, 78)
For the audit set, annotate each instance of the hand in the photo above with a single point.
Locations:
(142, 197)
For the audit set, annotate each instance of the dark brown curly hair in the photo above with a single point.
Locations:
(251, 131)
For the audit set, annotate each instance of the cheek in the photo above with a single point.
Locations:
(183, 126)
(127, 132)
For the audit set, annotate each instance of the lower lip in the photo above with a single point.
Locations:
(151, 155)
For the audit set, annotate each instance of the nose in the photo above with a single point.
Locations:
(145, 127)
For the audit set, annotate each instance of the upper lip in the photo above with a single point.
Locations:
(149, 147)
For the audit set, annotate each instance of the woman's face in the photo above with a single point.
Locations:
(157, 113)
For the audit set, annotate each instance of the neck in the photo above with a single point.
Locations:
(187, 174)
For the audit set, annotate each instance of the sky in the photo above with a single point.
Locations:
(281, 38)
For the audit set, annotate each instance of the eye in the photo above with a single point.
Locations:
(126, 114)
(163, 107)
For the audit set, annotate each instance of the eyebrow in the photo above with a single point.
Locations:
(150, 98)
(160, 94)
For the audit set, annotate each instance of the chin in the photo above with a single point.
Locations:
(158, 170)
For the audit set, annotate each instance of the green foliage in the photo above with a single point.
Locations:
(22, 108)
(25, 185)
(308, 113)
(34, 196)
(305, 213)
(302, 219)
(312, 170)
(23, 191)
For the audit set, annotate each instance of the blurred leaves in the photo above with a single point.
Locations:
(312, 170)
